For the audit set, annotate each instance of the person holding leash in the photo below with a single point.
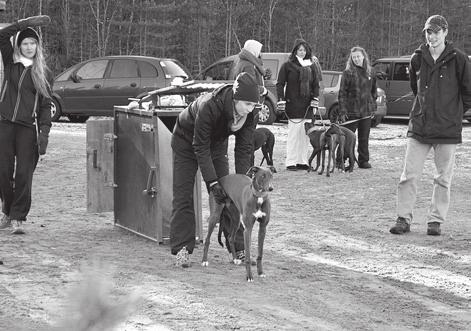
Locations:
(357, 100)
(200, 139)
(25, 117)
(298, 91)
(440, 78)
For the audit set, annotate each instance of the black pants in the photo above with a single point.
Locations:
(185, 165)
(18, 159)
(363, 127)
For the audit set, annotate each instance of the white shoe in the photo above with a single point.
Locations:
(5, 222)
(18, 227)
(183, 258)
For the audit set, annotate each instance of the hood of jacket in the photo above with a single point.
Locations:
(249, 57)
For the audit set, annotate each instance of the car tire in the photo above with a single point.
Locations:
(375, 121)
(266, 115)
(77, 118)
(56, 111)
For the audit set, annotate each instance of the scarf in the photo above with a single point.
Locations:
(21, 59)
(305, 77)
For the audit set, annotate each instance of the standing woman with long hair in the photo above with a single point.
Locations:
(25, 117)
(298, 91)
(357, 99)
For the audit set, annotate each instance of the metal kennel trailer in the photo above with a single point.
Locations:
(143, 170)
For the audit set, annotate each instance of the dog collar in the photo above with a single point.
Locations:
(257, 193)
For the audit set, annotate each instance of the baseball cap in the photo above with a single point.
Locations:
(435, 23)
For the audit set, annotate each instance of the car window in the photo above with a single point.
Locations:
(271, 69)
(92, 70)
(329, 80)
(147, 70)
(172, 69)
(219, 71)
(65, 75)
(382, 70)
(401, 71)
(124, 69)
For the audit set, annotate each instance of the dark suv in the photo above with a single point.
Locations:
(93, 87)
(393, 77)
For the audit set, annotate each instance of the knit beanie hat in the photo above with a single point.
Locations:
(253, 47)
(26, 33)
(246, 88)
(435, 23)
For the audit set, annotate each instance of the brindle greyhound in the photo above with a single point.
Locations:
(265, 139)
(250, 197)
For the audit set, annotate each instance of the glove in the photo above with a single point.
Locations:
(281, 105)
(33, 21)
(315, 103)
(43, 139)
(218, 192)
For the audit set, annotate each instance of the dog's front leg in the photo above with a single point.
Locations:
(323, 162)
(262, 230)
(249, 221)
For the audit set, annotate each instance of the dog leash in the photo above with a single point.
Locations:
(297, 122)
(356, 120)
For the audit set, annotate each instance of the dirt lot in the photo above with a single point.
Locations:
(331, 263)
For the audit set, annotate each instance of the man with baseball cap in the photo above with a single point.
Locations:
(440, 78)
(200, 139)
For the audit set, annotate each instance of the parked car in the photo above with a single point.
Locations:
(93, 87)
(393, 77)
(331, 83)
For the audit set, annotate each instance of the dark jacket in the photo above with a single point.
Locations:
(288, 88)
(19, 100)
(357, 93)
(247, 62)
(442, 91)
(206, 123)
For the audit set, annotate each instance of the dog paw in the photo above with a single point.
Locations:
(237, 261)
(205, 263)
(262, 276)
(249, 280)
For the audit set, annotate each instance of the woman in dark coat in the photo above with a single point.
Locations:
(298, 90)
(357, 99)
(25, 117)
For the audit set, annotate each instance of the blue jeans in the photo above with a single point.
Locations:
(416, 154)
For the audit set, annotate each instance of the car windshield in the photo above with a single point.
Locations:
(330, 79)
(173, 69)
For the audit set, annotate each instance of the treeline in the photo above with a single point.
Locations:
(197, 32)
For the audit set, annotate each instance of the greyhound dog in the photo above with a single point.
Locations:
(265, 139)
(315, 139)
(333, 138)
(250, 197)
(349, 149)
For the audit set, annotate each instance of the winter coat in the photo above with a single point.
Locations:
(247, 62)
(206, 123)
(288, 88)
(357, 93)
(19, 99)
(442, 92)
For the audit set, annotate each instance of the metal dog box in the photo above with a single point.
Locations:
(144, 172)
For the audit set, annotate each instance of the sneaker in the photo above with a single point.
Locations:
(291, 168)
(5, 222)
(433, 229)
(18, 227)
(401, 226)
(302, 166)
(365, 165)
(183, 258)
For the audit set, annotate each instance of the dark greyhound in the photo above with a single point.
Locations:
(333, 139)
(315, 139)
(348, 150)
(265, 139)
(250, 197)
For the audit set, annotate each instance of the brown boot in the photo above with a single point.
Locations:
(433, 229)
(401, 226)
